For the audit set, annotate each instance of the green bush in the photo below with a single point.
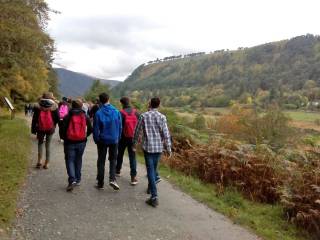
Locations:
(199, 122)
(290, 106)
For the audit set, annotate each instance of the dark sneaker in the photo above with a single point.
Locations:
(71, 186)
(39, 165)
(78, 184)
(158, 180)
(99, 186)
(152, 202)
(114, 185)
(134, 181)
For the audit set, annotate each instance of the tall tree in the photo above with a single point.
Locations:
(96, 88)
(25, 49)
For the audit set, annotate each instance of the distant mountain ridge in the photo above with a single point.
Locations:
(73, 84)
(287, 72)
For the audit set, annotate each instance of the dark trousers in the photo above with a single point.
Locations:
(73, 155)
(151, 160)
(123, 144)
(102, 154)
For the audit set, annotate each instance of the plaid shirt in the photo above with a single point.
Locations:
(155, 132)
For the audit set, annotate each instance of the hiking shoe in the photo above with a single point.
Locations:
(71, 186)
(134, 181)
(99, 186)
(39, 165)
(152, 202)
(114, 185)
(45, 166)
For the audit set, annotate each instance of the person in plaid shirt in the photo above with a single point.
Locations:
(156, 139)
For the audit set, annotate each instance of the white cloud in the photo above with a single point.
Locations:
(110, 38)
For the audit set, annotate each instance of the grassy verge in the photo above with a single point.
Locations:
(14, 154)
(303, 116)
(264, 219)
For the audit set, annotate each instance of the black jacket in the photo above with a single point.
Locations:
(66, 121)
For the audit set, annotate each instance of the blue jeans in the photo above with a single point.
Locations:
(151, 160)
(73, 155)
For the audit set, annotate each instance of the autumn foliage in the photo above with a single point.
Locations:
(301, 193)
(226, 163)
(254, 165)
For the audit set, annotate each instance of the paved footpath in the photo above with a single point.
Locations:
(48, 212)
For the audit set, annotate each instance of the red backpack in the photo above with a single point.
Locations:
(130, 122)
(45, 121)
(77, 127)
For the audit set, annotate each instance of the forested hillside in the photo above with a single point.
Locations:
(73, 84)
(25, 50)
(287, 72)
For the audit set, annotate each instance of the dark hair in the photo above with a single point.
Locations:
(125, 101)
(76, 103)
(155, 102)
(104, 98)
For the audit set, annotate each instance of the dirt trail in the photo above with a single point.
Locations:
(48, 212)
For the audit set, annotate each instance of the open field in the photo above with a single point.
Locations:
(303, 116)
(300, 119)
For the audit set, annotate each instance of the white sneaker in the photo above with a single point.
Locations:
(134, 181)
(114, 185)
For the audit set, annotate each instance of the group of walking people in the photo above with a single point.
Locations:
(113, 132)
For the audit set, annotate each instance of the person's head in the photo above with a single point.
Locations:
(125, 101)
(76, 104)
(48, 95)
(155, 102)
(104, 98)
(64, 99)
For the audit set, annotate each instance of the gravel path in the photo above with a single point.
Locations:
(47, 211)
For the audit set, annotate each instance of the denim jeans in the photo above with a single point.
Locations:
(151, 160)
(41, 136)
(73, 156)
(123, 144)
(102, 154)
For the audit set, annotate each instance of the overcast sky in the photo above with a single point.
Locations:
(109, 39)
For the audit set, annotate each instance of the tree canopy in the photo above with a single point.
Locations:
(96, 88)
(25, 50)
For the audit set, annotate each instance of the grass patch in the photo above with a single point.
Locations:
(264, 219)
(14, 154)
(303, 116)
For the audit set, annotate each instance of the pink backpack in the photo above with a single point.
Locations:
(63, 111)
